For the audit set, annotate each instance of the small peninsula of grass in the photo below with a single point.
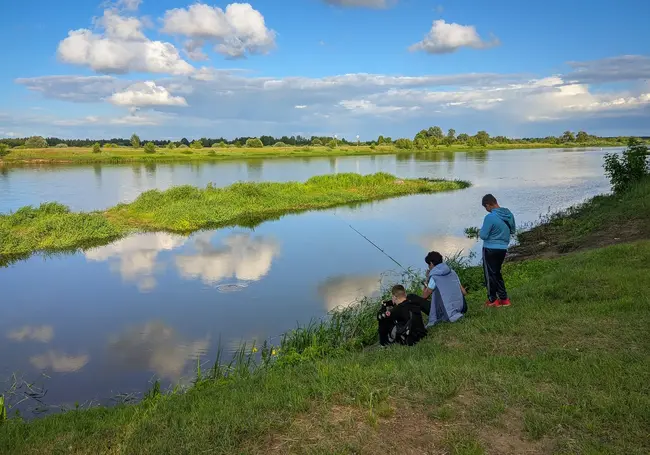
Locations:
(184, 209)
(116, 155)
(562, 371)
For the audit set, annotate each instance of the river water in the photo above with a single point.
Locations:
(106, 321)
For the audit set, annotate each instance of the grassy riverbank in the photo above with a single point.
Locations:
(185, 209)
(564, 370)
(83, 155)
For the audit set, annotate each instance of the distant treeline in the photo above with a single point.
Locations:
(427, 137)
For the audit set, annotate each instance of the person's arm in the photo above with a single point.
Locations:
(513, 226)
(484, 233)
(462, 290)
(429, 288)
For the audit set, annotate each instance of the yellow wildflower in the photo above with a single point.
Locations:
(274, 352)
(254, 350)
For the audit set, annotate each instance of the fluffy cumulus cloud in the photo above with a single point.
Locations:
(146, 94)
(120, 47)
(236, 31)
(444, 38)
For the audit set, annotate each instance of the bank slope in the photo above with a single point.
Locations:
(184, 209)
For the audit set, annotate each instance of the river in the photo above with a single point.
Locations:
(105, 321)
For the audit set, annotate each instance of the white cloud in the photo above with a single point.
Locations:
(612, 69)
(146, 94)
(59, 362)
(237, 31)
(74, 88)
(444, 38)
(343, 291)
(121, 48)
(362, 3)
(193, 49)
(243, 257)
(43, 333)
(300, 106)
(130, 5)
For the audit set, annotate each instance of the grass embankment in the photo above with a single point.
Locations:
(84, 155)
(185, 209)
(564, 370)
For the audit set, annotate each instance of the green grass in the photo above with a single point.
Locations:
(84, 155)
(600, 221)
(184, 209)
(564, 370)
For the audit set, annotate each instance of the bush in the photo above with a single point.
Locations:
(111, 145)
(222, 144)
(4, 149)
(149, 147)
(403, 143)
(316, 142)
(238, 144)
(19, 147)
(279, 144)
(628, 168)
(373, 146)
(254, 143)
(332, 144)
(36, 142)
(183, 146)
(61, 146)
(187, 152)
(215, 145)
(197, 145)
(212, 153)
(171, 146)
(97, 148)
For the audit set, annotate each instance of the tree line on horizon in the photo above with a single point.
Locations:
(426, 138)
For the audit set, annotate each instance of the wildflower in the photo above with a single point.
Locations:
(274, 352)
(254, 350)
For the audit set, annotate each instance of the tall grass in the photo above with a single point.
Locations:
(184, 209)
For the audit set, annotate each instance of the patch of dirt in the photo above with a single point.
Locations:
(545, 242)
(509, 437)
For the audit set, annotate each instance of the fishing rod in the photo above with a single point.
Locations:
(380, 249)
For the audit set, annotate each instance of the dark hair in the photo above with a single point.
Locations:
(398, 291)
(488, 199)
(434, 258)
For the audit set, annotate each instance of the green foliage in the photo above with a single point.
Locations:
(435, 132)
(36, 142)
(196, 144)
(222, 144)
(482, 137)
(212, 153)
(373, 146)
(279, 144)
(97, 148)
(316, 141)
(183, 146)
(61, 146)
(331, 144)
(254, 142)
(404, 143)
(172, 146)
(135, 141)
(149, 147)
(629, 168)
(582, 137)
(190, 152)
(567, 137)
(4, 149)
(111, 145)
(3, 410)
(238, 144)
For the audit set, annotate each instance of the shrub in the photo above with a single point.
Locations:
(187, 152)
(373, 146)
(403, 143)
(215, 145)
(183, 146)
(628, 168)
(196, 145)
(222, 144)
(19, 147)
(61, 146)
(111, 145)
(331, 144)
(135, 141)
(316, 142)
(36, 142)
(212, 153)
(171, 146)
(97, 148)
(254, 143)
(149, 147)
(238, 144)
(4, 149)
(279, 144)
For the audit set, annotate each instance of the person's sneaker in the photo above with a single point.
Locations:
(505, 302)
(488, 303)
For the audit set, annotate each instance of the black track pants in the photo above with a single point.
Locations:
(492, 262)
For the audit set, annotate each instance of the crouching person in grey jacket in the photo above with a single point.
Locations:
(446, 292)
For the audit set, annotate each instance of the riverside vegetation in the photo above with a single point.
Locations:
(564, 370)
(184, 209)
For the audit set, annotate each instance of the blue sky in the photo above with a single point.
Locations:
(170, 68)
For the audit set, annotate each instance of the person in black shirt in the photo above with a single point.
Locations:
(400, 319)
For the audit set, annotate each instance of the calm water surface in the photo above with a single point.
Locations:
(108, 320)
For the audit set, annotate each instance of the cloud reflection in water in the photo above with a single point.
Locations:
(43, 333)
(343, 291)
(59, 362)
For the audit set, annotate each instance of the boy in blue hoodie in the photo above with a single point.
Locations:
(498, 226)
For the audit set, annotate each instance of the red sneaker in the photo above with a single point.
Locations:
(488, 303)
(505, 302)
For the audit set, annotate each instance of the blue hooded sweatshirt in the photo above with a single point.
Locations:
(498, 225)
(447, 298)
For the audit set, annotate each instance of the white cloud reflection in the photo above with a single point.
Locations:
(137, 255)
(43, 333)
(59, 362)
(343, 291)
(242, 256)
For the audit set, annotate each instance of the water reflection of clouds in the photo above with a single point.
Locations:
(59, 362)
(157, 347)
(343, 291)
(242, 256)
(138, 255)
(43, 333)
(444, 244)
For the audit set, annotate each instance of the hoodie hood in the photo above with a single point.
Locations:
(505, 215)
(441, 269)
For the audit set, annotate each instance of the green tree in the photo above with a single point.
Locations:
(4, 149)
(404, 143)
(97, 148)
(196, 144)
(171, 146)
(380, 140)
(238, 144)
(36, 142)
(222, 144)
(582, 137)
(420, 142)
(279, 144)
(463, 137)
(135, 141)
(149, 147)
(436, 133)
(482, 137)
(388, 140)
(317, 142)
(331, 144)
(567, 136)
(254, 142)
(472, 141)
(451, 136)
(628, 168)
